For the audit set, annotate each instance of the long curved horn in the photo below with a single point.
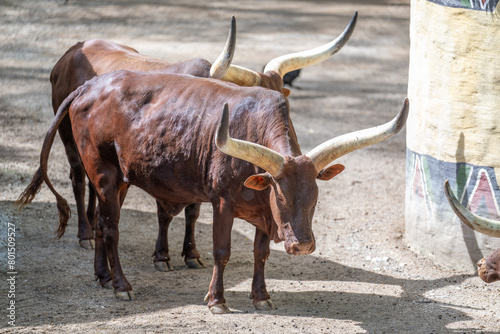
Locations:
(294, 61)
(242, 76)
(325, 153)
(222, 63)
(287, 63)
(482, 225)
(259, 155)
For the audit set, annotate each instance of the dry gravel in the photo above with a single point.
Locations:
(361, 279)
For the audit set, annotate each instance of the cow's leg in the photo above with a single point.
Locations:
(91, 207)
(123, 193)
(101, 269)
(223, 223)
(85, 234)
(101, 259)
(191, 256)
(77, 175)
(109, 215)
(261, 251)
(161, 257)
(110, 191)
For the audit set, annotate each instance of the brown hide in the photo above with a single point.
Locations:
(166, 133)
(489, 267)
(272, 80)
(82, 62)
(159, 129)
(156, 131)
(87, 59)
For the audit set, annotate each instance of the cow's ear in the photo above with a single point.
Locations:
(328, 173)
(258, 181)
(285, 91)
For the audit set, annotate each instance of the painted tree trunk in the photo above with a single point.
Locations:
(453, 131)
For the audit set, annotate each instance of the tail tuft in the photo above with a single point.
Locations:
(64, 214)
(31, 190)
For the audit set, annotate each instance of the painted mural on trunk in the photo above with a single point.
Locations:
(475, 186)
(484, 5)
(453, 131)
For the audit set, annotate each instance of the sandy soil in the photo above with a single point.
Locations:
(361, 279)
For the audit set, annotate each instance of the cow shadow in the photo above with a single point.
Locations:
(64, 275)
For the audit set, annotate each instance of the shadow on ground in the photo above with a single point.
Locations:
(59, 272)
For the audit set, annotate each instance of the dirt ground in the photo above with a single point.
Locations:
(361, 278)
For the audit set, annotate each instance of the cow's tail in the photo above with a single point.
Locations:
(41, 174)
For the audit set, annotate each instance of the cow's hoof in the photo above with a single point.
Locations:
(264, 305)
(88, 244)
(219, 309)
(105, 283)
(125, 295)
(195, 263)
(108, 285)
(163, 266)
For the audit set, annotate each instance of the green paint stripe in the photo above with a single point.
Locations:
(462, 177)
(427, 177)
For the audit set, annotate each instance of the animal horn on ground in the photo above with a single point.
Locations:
(325, 153)
(475, 222)
(295, 61)
(261, 156)
(223, 62)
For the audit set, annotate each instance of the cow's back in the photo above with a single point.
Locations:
(161, 127)
(84, 60)
(71, 71)
(87, 59)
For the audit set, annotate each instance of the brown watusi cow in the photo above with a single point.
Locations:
(90, 58)
(168, 135)
(87, 59)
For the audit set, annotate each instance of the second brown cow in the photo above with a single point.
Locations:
(88, 59)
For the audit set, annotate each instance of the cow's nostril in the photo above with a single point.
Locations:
(302, 248)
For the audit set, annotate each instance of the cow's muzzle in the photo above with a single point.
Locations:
(297, 244)
(487, 271)
(301, 248)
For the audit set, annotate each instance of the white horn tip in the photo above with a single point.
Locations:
(402, 116)
(222, 63)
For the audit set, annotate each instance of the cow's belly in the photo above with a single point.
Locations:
(173, 183)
